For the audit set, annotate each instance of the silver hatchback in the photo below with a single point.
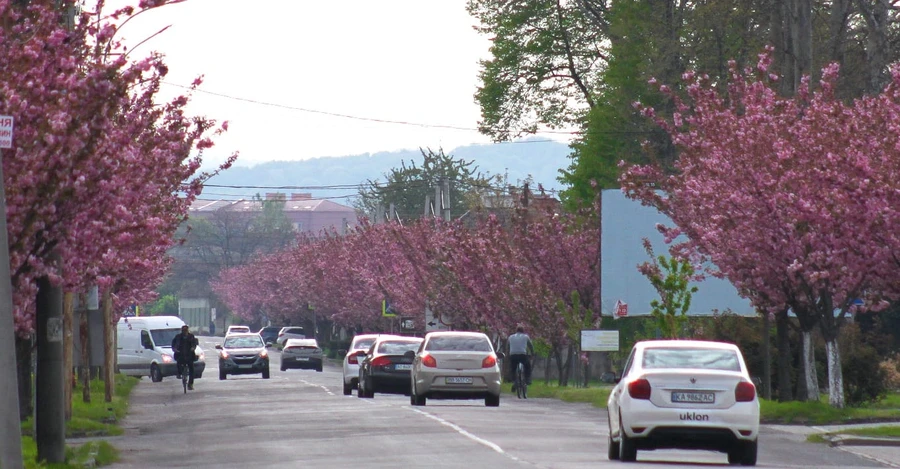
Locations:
(301, 353)
(455, 365)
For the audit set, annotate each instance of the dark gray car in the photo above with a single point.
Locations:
(243, 354)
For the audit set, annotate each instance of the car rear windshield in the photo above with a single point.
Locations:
(294, 330)
(397, 347)
(459, 343)
(363, 344)
(693, 357)
(243, 342)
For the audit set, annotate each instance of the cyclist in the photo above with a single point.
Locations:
(520, 350)
(184, 346)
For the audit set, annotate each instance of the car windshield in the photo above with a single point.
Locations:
(163, 337)
(364, 344)
(691, 357)
(252, 341)
(459, 343)
(397, 347)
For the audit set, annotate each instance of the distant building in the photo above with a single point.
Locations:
(305, 213)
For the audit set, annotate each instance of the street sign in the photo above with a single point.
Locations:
(407, 324)
(599, 341)
(621, 309)
(387, 310)
(6, 131)
(432, 323)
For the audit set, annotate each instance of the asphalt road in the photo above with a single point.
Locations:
(301, 418)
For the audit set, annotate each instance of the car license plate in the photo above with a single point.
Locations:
(402, 367)
(458, 380)
(302, 359)
(694, 397)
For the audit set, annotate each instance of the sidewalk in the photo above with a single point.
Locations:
(884, 451)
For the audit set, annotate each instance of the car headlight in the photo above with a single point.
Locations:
(166, 358)
(264, 354)
(223, 354)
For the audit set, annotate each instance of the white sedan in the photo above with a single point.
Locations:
(684, 394)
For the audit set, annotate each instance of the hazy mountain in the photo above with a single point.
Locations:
(338, 178)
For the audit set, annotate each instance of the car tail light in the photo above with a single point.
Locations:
(744, 392)
(489, 361)
(639, 389)
(429, 361)
(381, 361)
(352, 359)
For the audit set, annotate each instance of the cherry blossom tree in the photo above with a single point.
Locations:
(794, 200)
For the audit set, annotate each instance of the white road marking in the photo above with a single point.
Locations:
(466, 434)
(327, 391)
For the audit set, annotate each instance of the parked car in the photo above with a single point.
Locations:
(243, 353)
(269, 334)
(455, 365)
(145, 347)
(237, 330)
(684, 394)
(301, 353)
(358, 348)
(386, 366)
(290, 332)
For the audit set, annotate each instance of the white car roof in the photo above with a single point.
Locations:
(644, 344)
(455, 334)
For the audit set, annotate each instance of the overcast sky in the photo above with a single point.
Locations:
(413, 61)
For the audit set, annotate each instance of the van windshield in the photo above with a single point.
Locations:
(163, 337)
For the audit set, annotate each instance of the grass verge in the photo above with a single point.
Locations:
(886, 431)
(596, 395)
(821, 413)
(94, 419)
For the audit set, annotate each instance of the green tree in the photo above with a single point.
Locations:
(670, 278)
(408, 186)
(166, 305)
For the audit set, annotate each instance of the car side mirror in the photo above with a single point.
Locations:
(409, 354)
(268, 344)
(218, 346)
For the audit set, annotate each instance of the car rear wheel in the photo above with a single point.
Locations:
(369, 392)
(348, 389)
(612, 452)
(265, 373)
(744, 453)
(155, 373)
(319, 368)
(627, 447)
(492, 401)
(222, 375)
(283, 368)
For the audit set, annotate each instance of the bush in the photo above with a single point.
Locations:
(865, 380)
(891, 368)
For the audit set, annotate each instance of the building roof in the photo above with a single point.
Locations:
(297, 203)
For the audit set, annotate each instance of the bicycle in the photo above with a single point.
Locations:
(185, 375)
(520, 383)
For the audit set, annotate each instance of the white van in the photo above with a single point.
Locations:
(145, 347)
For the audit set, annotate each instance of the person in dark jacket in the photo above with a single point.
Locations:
(184, 346)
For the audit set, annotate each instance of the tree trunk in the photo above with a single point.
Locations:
(810, 377)
(84, 371)
(560, 365)
(24, 367)
(767, 357)
(109, 351)
(835, 375)
(785, 388)
(69, 350)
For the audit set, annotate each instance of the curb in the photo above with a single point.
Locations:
(854, 440)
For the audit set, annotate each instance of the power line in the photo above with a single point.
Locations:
(361, 118)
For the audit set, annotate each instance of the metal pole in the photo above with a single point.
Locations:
(49, 419)
(10, 429)
(445, 201)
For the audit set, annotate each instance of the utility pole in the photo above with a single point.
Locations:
(109, 349)
(436, 211)
(445, 200)
(49, 417)
(10, 428)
